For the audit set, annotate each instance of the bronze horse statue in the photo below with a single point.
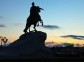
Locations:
(33, 20)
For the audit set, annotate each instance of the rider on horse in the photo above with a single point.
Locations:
(34, 12)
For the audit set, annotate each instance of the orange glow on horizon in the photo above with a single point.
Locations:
(64, 40)
(50, 38)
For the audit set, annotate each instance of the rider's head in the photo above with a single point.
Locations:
(33, 3)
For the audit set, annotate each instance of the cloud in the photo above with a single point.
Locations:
(1, 17)
(50, 26)
(74, 37)
(2, 25)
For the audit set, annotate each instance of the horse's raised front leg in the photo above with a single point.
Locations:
(37, 23)
(41, 22)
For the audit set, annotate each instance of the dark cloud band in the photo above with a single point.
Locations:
(51, 27)
(74, 37)
(2, 25)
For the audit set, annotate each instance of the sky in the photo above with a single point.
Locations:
(63, 19)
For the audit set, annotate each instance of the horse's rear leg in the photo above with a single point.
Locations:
(29, 29)
(34, 27)
(26, 28)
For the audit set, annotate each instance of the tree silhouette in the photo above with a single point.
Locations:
(3, 40)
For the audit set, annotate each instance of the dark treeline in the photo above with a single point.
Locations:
(68, 51)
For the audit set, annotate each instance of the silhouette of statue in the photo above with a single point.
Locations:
(34, 17)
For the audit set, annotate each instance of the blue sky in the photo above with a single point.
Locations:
(67, 14)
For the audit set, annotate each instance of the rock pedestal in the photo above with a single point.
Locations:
(30, 45)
